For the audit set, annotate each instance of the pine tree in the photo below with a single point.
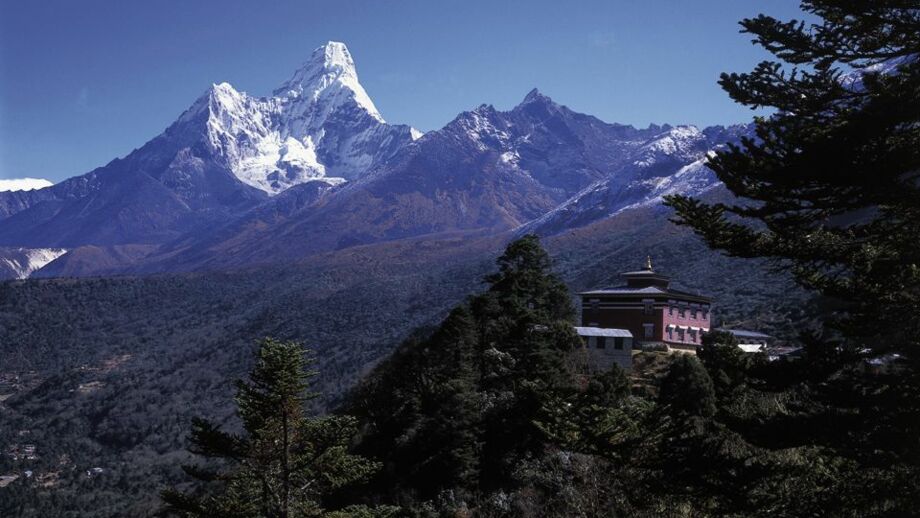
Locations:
(829, 189)
(687, 389)
(525, 320)
(726, 363)
(830, 185)
(456, 411)
(286, 462)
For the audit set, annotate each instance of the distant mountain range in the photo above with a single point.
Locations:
(239, 180)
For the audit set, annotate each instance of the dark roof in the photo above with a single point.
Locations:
(647, 290)
(741, 333)
(644, 272)
(625, 289)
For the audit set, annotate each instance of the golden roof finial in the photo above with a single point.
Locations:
(648, 263)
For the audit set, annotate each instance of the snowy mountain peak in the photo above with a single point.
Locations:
(329, 73)
(319, 125)
(335, 55)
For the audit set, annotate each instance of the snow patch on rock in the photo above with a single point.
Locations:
(23, 184)
(20, 263)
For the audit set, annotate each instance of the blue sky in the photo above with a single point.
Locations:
(83, 82)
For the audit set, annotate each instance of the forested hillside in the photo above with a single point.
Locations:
(109, 372)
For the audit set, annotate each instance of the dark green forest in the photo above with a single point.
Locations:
(110, 372)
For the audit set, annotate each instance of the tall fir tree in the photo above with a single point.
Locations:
(830, 184)
(829, 188)
(456, 411)
(286, 461)
(525, 320)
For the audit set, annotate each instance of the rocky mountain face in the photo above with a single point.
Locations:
(239, 180)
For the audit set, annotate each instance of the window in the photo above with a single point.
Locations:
(670, 333)
(693, 335)
(683, 312)
(649, 330)
(680, 334)
(649, 306)
(601, 342)
(693, 313)
(618, 343)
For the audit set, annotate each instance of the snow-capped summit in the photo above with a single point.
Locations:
(330, 72)
(318, 125)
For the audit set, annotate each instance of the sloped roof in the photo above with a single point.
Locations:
(742, 333)
(602, 331)
(647, 290)
(625, 289)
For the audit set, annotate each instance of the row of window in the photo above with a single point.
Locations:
(601, 342)
(683, 334)
(694, 312)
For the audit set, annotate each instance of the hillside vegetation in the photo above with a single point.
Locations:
(109, 372)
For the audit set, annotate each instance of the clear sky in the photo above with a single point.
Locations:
(83, 82)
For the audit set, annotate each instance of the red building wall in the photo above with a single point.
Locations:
(686, 337)
(633, 315)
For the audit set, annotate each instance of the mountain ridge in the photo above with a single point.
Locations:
(314, 167)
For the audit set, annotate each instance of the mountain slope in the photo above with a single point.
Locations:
(672, 162)
(223, 156)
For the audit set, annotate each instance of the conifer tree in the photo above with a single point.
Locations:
(687, 389)
(525, 320)
(725, 362)
(457, 410)
(828, 187)
(830, 184)
(286, 461)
